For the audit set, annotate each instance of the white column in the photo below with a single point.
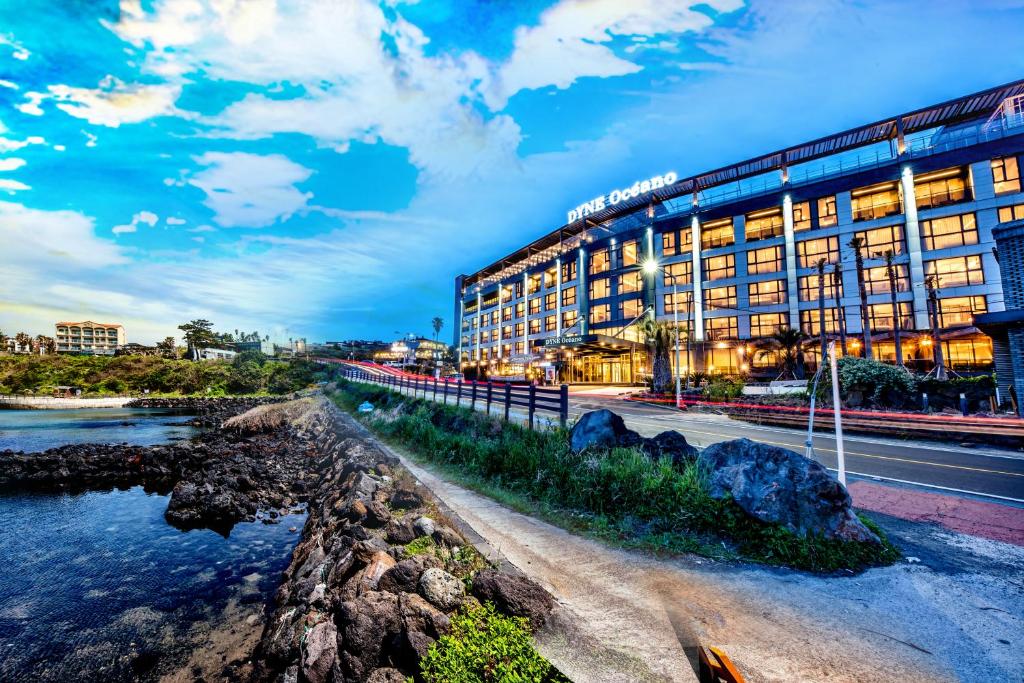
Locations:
(462, 319)
(791, 284)
(479, 324)
(501, 291)
(526, 313)
(914, 249)
(698, 293)
(558, 296)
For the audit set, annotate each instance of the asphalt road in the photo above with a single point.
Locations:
(986, 472)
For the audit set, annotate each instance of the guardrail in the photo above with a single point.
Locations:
(502, 395)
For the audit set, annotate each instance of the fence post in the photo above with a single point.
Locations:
(490, 388)
(508, 398)
(533, 402)
(563, 404)
(472, 398)
(458, 392)
(435, 389)
(446, 392)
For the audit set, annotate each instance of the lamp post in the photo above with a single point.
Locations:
(651, 267)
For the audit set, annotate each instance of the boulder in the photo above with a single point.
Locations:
(424, 526)
(515, 595)
(441, 589)
(319, 651)
(601, 429)
(405, 499)
(779, 486)
(377, 515)
(386, 675)
(369, 625)
(447, 536)
(400, 532)
(379, 564)
(671, 445)
(404, 577)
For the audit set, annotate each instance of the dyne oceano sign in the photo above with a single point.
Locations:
(616, 196)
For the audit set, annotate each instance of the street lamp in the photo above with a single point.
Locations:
(651, 267)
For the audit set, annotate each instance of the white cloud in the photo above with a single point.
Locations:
(32, 107)
(8, 84)
(11, 164)
(173, 220)
(18, 51)
(141, 218)
(12, 186)
(59, 148)
(10, 145)
(202, 228)
(250, 190)
(113, 103)
(90, 139)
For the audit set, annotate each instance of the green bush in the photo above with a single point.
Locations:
(723, 389)
(483, 646)
(866, 382)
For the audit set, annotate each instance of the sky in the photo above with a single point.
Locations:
(326, 168)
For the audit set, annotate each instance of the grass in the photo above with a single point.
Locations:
(620, 495)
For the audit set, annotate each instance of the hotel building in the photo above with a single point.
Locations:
(734, 254)
(87, 337)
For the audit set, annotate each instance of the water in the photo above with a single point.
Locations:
(89, 581)
(37, 430)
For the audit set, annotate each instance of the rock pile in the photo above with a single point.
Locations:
(605, 429)
(209, 412)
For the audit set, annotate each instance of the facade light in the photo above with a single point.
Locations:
(650, 266)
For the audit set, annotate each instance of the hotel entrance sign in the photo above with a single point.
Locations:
(564, 341)
(637, 189)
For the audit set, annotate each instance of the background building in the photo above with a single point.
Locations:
(735, 253)
(89, 337)
(412, 352)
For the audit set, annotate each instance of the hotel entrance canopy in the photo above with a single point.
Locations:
(588, 343)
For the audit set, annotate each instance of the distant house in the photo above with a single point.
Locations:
(264, 347)
(215, 354)
(88, 337)
(134, 349)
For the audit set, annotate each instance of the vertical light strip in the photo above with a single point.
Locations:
(914, 249)
(698, 293)
(558, 296)
(501, 288)
(462, 319)
(479, 324)
(526, 314)
(791, 285)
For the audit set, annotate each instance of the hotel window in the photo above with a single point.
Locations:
(506, 350)
(465, 341)
(494, 317)
(718, 233)
(506, 313)
(810, 321)
(520, 307)
(801, 216)
(876, 201)
(1011, 213)
(959, 271)
(682, 299)
(762, 225)
(569, 271)
(960, 310)
(569, 296)
(721, 328)
(506, 332)
(568, 319)
(550, 277)
(600, 314)
(881, 240)
(766, 324)
(533, 285)
(476, 322)
(942, 187)
(876, 280)
(767, 293)
(535, 326)
(520, 328)
(827, 214)
(630, 282)
(808, 287)
(506, 293)
(550, 323)
(767, 260)
(630, 253)
(520, 348)
(718, 267)
(519, 289)
(669, 244)
(631, 308)
(535, 305)
(680, 273)
(599, 262)
(600, 288)
(494, 335)
(720, 297)
(880, 316)
(550, 301)
(951, 231)
(809, 252)
(1006, 175)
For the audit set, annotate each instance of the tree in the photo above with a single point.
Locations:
(166, 348)
(438, 323)
(933, 318)
(23, 342)
(3, 342)
(821, 308)
(837, 288)
(659, 338)
(786, 346)
(857, 244)
(44, 344)
(890, 271)
(197, 334)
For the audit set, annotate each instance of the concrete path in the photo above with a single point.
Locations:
(51, 403)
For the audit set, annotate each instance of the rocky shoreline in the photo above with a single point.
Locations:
(209, 412)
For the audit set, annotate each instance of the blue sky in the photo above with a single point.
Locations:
(325, 169)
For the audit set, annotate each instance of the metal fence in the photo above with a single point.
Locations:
(501, 395)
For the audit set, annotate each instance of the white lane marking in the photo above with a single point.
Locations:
(931, 486)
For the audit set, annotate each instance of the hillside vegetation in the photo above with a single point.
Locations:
(248, 373)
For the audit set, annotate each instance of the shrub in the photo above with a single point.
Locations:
(723, 389)
(420, 546)
(870, 382)
(484, 645)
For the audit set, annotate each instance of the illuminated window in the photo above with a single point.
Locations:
(568, 319)
(519, 289)
(535, 326)
(942, 187)
(494, 335)
(506, 350)
(1011, 213)
(506, 293)
(1006, 175)
(717, 233)
(810, 321)
(506, 332)
(600, 288)
(718, 267)
(960, 310)
(630, 282)
(802, 216)
(767, 260)
(876, 280)
(720, 297)
(880, 316)
(762, 225)
(881, 240)
(550, 277)
(808, 287)
(520, 308)
(630, 253)
(533, 284)
(809, 252)
(599, 262)
(631, 308)
(550, 323)
(506, 313)
(951, 231)
(766, 324)
(767, 293)
(680, 273)
(569, 271)
(827, 215)
(600, 314)
(535, 305)
(669, 244)
(682, 299)
(550, 301)
(876, 201)
(721, 328)
(958, 271)
(520, 329)
(520, 348)
(569, 296)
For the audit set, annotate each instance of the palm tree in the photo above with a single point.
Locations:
(660, 337)
(786, 346)
(837, 290)
(857, 244)
(890, 271)
(821, 308)
(438, 323)
(23, 342)
(3, 342)
(933, 318)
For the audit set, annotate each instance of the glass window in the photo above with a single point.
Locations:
(942, 187)
(801, 216)
(535, 305)
(569, 271)
(681, 273)
(568, 319)
(569, 296)
(682, 299)
(533, 285)
(951, 231)
(827, 215)
(506, 293)
(506, 313)
(520, 348)
(880, 316)
(669, 244)
(599, 262)
(810, 321)
(881, 240)
(762, 225)
(519, 289)
(809, 252)
(718, 267)
(767, 293)
(520, 308)
(494, 317)
(767, 260)
(494, 335)
(506, 332)
(520, 328)
(631, 308)
(550, 323)
(600, 314)
(960, 310)
(808, 287)
(876, 201)
(721, 328)
(550, 301)
(958, 271)
(720, 297)
(1011, 213)
(535, 326)
(550, 277)
(1006, 175)
(630, 253)
(600, 288)
(717, 233)
(630, 282)
(766, 324)
(876, 280)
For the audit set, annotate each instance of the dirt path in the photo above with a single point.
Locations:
(632, 614)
